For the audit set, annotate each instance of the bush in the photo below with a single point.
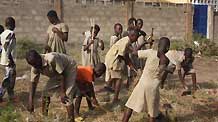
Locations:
(206, 47)
(24, 45)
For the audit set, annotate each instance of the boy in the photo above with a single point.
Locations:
(146, 92)
(61, 70)
(183, 60)
(57, 34)
(8, 56)
(90, 47)
(139, 63)
(118, 29)
(115, 58)
(131, 25)
(85, 77)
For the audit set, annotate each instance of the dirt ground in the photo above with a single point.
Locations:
(202, 106)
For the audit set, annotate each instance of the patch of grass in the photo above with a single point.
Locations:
(25, 44)
(9, 114)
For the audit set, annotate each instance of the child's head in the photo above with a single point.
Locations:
(118, 28)
(139, 24)
(52, 17)
(99, 69)
(131, 23)
(10, 23)
(133, 35)
(1, 29)
(96, 30)
(34, 59)
(188, 52)
(163, 45)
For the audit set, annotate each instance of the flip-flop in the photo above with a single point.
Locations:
(79, 119)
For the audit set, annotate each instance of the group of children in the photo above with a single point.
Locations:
(128, 51)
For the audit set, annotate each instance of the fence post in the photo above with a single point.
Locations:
(130, 9)
(58, 5)
(189, 22)
(210, 22)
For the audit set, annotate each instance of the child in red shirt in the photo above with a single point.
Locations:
(85, 77)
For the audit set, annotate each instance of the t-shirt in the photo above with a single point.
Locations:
(85, 74)
(8, 42)
(176, 58)
(120, 48)
(151, 69)
(55, 42)
(54, 65)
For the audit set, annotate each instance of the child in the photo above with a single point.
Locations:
(139, 63)
(118, 29)
(183, 60)
(57, 34)
(115, 58)
(85, 77)
(90, 47)
(146, 92)
(8, 56)
(131, 25)
(61, 71)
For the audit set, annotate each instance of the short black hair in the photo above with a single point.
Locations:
(188, 50)
(139, 20)
(132, 20)
(118, 24)
(100, 66)
(97, 27)
(31, 55)
(52, 13)
(1, 29)
(134, 31)
(10, 23)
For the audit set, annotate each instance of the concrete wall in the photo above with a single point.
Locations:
(166, 21)
(32, 22)
(30, 16)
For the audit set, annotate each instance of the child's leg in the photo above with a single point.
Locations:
(12, 78)
(45, 105)
(77, 105)
(89, 102)
(117, 90)
(127, 115)
(194, 81)
(70, 111)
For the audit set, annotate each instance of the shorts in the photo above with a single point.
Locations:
(53, 84)
(113, 74)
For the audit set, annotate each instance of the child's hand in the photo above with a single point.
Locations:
(47, 48)
(55, 30)
(95, 102)
(30, 108)
(64, 99)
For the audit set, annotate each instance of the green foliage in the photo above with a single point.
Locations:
(24, 45)
(206, 47)
(9, 114)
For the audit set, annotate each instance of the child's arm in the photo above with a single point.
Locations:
(95, 101)
(62, 35)
(86, 47)
(101, 44)
(33, 86)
